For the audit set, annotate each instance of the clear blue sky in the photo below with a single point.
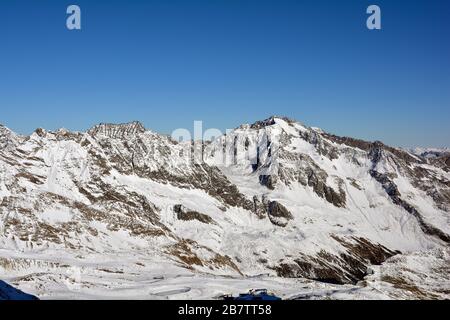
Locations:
(227, 62)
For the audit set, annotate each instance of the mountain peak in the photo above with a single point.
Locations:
(270, 121)
(4, 132)
(117, 130)
(4, 128)
(7, 137)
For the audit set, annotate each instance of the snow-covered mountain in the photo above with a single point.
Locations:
(8, 292)
(121, 211)
(430, 152)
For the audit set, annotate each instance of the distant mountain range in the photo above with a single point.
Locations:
(121, 211)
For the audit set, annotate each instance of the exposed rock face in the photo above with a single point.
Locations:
(188, 215)
(260, 207)
(442, 162)
(268, 122)
(268, 180)
(389, 186)
(8, 139)
(308, 173)
(355, 143)
(342, 268)
(185, 252)
(274, 197)
(278, 214)
(117, 130)
(316, 180)
(130, 150)
(322, 146)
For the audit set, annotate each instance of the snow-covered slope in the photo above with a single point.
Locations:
(84, 214)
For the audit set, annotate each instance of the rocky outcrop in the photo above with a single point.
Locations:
(186, 214)
(351, 142)
(442, 162)
(189, 254)
(151, 156)
(117, 130)
(308, 173)
(269, 122)
(260, 207)
(269, 181)
(322, 146)
(316, 180)
(278, 214)
(8, 139)
(372, 148)
(347, 267)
